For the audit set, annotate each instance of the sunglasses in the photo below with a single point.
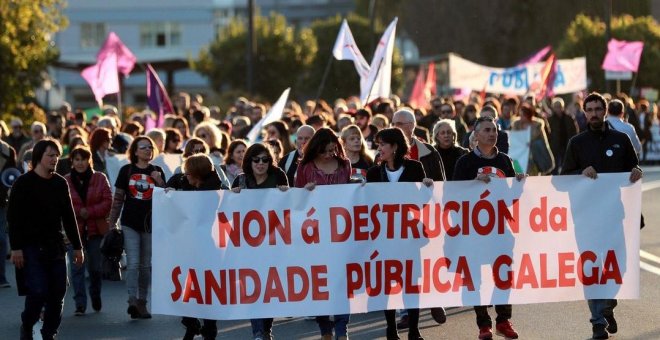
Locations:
(145, 147)
(203, 136)
(264, 159)
(37, 131)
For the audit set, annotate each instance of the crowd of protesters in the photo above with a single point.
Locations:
(314, 143)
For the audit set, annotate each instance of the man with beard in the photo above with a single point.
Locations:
(600, 149)
(363, 121)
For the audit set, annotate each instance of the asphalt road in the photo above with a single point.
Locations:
(637, 319)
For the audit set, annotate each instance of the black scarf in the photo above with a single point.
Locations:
(81, 182)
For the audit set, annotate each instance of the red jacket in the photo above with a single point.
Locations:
(99, 201)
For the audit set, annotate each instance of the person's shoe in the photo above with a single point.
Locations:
(612, 327)
(45, 336)
(133, 308)
(142, 309)
(26, 334)
(342, 337)
(403, 324)
(505, 329)
(97, 304)
(326, 337)
(599, 332)
(392, 334)
(413, 334)
(485, 333)
(190, 334)
(80, 311)
(439, 315)
(5, 285)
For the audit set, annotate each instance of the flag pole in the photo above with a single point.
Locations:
(119, 105)
(323, 80)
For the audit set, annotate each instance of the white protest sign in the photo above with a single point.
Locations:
(354, 249)
(571, 76)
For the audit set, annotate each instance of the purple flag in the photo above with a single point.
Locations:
(157, 99)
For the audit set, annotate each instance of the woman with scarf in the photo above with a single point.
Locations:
(91, 197)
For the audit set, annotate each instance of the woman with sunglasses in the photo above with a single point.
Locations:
(324, 163)
(134, 189)
(395, 166)
(260, 172)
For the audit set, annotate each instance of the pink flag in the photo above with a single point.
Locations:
(430, 87)
(623, 55)
(547, 77)
(417, 98)
(102, 77)
(112, 58)
(125, 58)
(536, 57)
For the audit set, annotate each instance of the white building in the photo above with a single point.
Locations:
(165, 33)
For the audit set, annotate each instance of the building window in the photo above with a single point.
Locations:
(92, 34)
(160, 34)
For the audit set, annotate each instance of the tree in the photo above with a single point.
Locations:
(343, 80)
(26, 49)
(586, 37)
(283, 56)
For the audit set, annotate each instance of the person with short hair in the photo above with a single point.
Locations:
(600, 149)
(483, 163)
(615, 113)
(444, 141)
(289, 163)
(37, 242)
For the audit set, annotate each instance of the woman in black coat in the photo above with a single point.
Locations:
(396, 167)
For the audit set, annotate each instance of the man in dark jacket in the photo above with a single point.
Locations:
(600, 149)
(425, 153)
(562, 128)
(37, 244)
(289, 163)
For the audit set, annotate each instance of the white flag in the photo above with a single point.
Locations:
(346, 49)
(380, 71)
(273, 114)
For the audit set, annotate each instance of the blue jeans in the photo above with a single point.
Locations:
(93, 260)
(600, 308)
(262, 328)
(3, 244)
(45, 282)
(138, 262)
(340, 324)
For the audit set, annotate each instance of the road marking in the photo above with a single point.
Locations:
(649, 268)
(648, 256)
(650, 185)
(644, 254)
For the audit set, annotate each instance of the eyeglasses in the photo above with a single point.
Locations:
(446, 112)
(145, 147)
(264, 159)
(37, 131)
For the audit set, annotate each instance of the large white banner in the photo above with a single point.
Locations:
(571, 76)
(354, 249)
